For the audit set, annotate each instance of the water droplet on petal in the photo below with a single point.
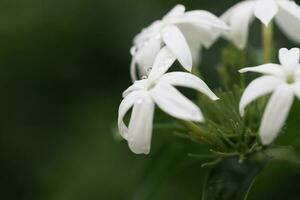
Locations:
(133, 51)
(149, 70)
(144, 77)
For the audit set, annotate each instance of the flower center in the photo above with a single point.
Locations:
(151, 86)
(290, 79)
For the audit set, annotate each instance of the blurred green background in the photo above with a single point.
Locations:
(64, 64)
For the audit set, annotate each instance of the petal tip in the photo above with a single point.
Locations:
(198, 117)
(242, 70)
(265, 140)
(266, 23)
(188, 68)
(215, 98)
(138, 150)
(242, 112)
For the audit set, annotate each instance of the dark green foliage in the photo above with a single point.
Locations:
(231, 180)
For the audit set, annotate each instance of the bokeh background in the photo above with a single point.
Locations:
(63, 66)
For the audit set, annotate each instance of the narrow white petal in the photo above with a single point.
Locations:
(146, 55)
(176, 42)
(288, 19)
(133, 69)
(239, 19)
(163, 61)
(276, 113)
(265, 10)
(289, 58)
(269, 69)
(197, 35)
(175, 12)
(184, 79)
(202, 17)
(257, 88)
(227, 15)
(137, 85)
(140, 125)
(171, 101)
(125, 105)
(152, 30)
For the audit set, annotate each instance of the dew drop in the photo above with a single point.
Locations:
(149, 70)
(133, 51)
(144, 77)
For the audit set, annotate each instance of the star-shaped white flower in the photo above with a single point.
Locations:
(182, 32)
(283, 81)
(158, 89)
(285, 12)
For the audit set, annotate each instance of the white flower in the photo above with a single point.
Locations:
(158, 89)
(182, 32)
(285, 12)
(284, 83)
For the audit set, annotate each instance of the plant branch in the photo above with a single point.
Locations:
(267, 37)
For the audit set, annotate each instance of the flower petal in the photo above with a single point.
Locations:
(163, 61)
(175, 12)
(152, 30)
(184, 79)
(176, 42)
(125, 105)
(239, 19)
(289, 58)
(137, 85)
(140, 125)
(202, 18)
(197, 35)
(133, 72)
(195, 38)
(171, 101)
(257, 88)
(146, 55)
(265, 10)
(288, 19)
(269, 69)
(276, 113)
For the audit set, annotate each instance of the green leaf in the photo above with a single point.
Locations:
(284, 154)
(232, 180)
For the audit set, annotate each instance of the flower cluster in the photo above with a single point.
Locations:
(183, 33)
(284, 82)
(179, 36)
(285, 12)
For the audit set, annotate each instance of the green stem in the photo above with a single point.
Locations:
(195, 130)
(267, 35)
(198, 132)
